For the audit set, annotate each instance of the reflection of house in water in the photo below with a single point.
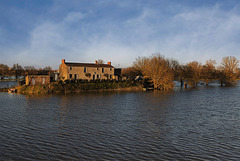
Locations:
(37, 79)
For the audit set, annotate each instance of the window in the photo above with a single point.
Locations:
(75, 76)
(102, 70)
(43, 80)
(85, 69)
(70, 76)
(110, 76)
(97, 76)
(97, 68)
(33, 81)
(70, 68)
(110, 69)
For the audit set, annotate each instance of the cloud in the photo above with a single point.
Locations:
(205, 33)
(74, 17)
(120, 32)
(50, 42)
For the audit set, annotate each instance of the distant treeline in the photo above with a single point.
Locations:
(17, 70)
(162, 71)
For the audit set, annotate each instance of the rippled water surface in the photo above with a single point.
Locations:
(192, 124)
(4, 84)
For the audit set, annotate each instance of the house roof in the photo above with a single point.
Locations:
(88, 65)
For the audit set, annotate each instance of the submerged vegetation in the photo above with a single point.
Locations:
(158, 69)
(162, 71)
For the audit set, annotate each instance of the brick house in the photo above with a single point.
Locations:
(37, 79)
(86, 71)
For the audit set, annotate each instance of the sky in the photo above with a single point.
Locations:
(42, 32)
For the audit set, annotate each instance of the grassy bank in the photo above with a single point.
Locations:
(78, 86)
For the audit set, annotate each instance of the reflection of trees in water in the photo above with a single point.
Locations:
(63, 110)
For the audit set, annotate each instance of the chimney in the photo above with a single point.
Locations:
(96, 62)
(109, 63)
(63, 61)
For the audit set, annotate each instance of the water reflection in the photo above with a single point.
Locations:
(6, 84)
(64, 109)
(187, 124)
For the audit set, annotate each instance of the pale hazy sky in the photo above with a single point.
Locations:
(42, 32)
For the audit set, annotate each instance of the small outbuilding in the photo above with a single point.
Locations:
(37, 79)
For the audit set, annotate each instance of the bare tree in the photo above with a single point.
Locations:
(47, 68)
(229, 67)
(158, 69)
(29, 69)
(220, 75)
(17, 67)
(18, 70)
(178, 70)
(130, 72)
(100, 61)
(192, 73)
(208, 71)
(4, 70)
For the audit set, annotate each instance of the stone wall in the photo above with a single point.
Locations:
(63, 71)
(37, 79)
(77, 72)
(96, 72)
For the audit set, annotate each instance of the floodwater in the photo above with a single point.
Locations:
(6, 84)
(188, 124)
